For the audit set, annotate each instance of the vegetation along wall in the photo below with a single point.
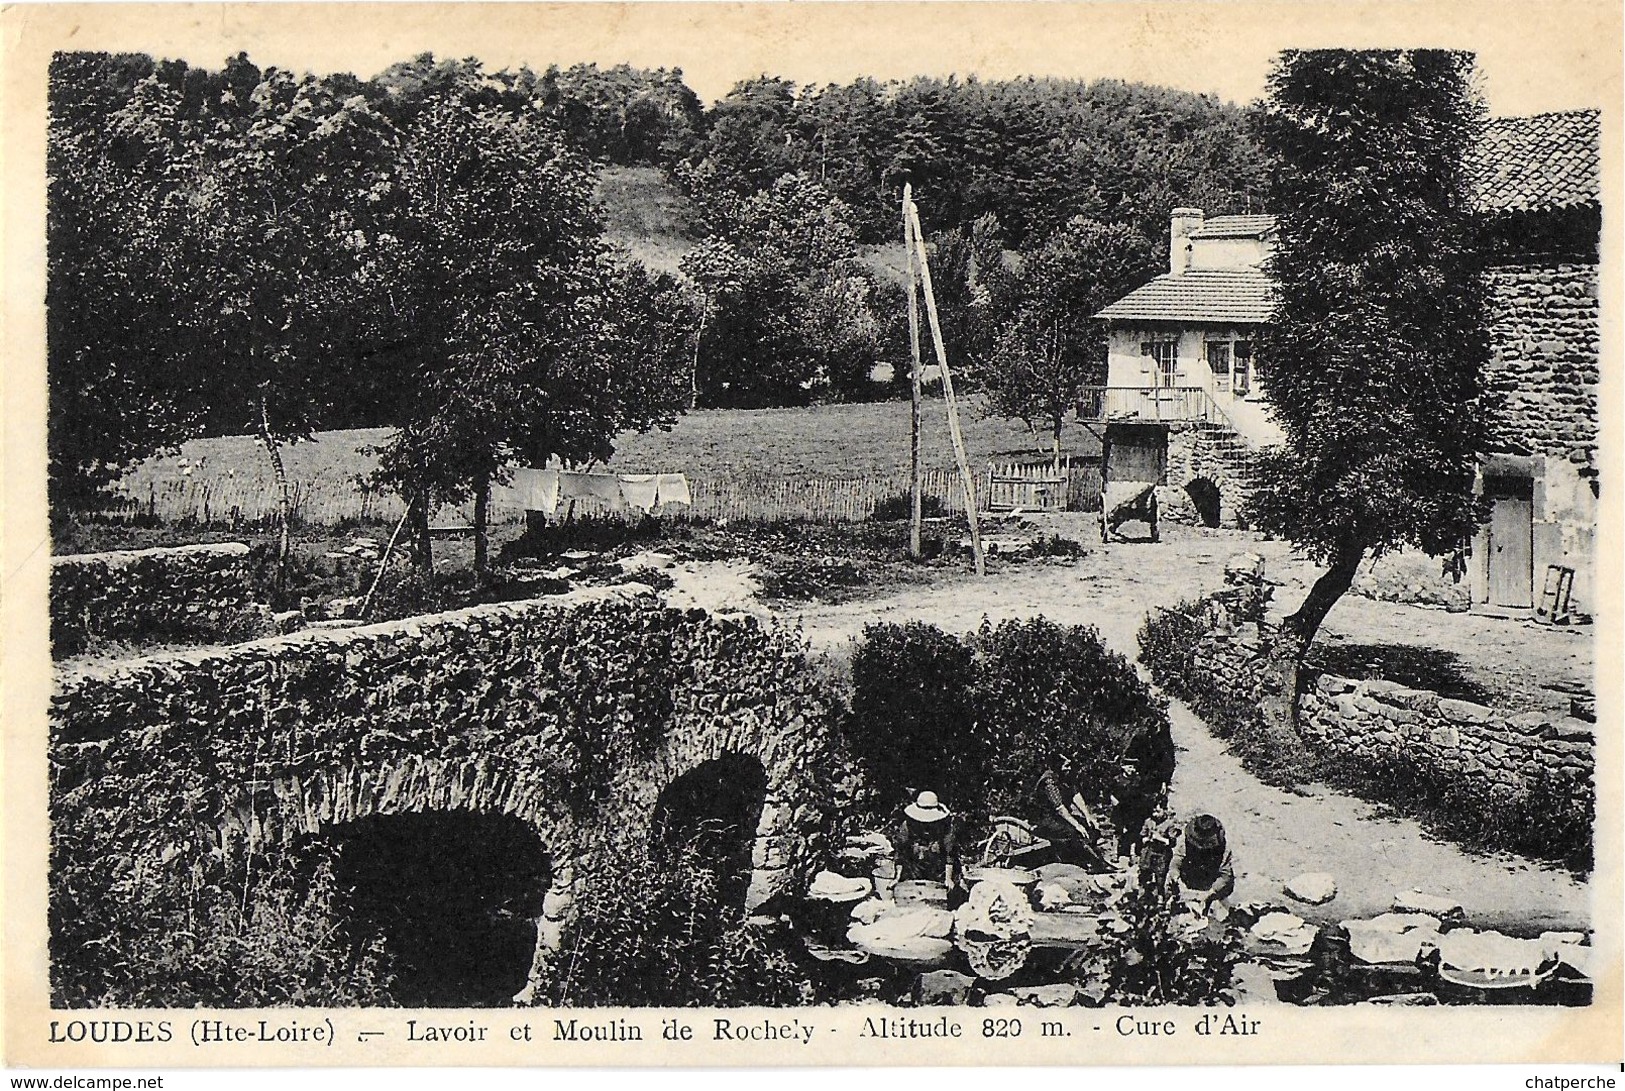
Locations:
(196, 796)
(1517, 780)
(184, 592)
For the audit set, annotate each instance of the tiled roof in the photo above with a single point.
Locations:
(1201, 295)
(1546, 161)
(1235, 227)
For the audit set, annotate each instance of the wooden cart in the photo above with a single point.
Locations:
(1133, 462)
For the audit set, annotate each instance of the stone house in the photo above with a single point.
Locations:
(1179, 350)
(1538, 183)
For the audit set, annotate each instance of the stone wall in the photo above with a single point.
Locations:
(1370, 721)
(180, 593)
(1411, 577)
(1545, 326)
(1373, 719)
(1208, 453)
(175, 769)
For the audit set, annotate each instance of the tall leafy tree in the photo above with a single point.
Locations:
(753, 137)
(242, 202)
(1373, 364)
(975, 290)
(1051, 347)
(503, 309)
(118, 391)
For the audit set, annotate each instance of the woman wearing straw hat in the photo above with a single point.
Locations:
(926, 845)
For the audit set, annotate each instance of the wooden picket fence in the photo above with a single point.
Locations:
(249, 500)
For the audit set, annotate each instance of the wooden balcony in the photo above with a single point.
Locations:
(1146, 403)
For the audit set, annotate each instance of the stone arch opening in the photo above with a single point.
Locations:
(1205, 499)
(453, 898)
(713, 813)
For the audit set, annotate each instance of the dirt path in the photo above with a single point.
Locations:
(1277, 834)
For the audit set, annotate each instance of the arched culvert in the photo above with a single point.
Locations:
(1205, 499)
(452, 897)
(713, 813)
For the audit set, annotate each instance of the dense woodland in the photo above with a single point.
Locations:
(250, 250)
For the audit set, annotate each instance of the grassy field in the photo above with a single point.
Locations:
(645, 215)
(721, 449)
(785, 462)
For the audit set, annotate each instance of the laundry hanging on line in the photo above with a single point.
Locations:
(640, 490)
(537, 490)
(602, 487)
(543, 490)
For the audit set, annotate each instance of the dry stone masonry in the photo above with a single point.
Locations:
(1414, 578)
(1369, 718)
(1546, 327)
(177, 768)
(195, 591)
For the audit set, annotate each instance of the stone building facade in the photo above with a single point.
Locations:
(1174, 347)
(1539, 192)
(1179, 351)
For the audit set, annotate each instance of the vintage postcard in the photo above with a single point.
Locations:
(764, 534)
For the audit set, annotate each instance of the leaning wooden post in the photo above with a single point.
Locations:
(383, 562)
(915, 499)
(948, 391)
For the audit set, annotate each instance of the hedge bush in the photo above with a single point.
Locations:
(1550, 817)
(976, 718)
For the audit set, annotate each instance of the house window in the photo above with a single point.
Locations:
(1219, 362)
(1163, 360)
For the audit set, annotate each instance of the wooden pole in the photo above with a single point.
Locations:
(948, 391)
(366, 603)
(915, 499)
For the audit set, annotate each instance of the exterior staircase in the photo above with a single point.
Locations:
(1222, 455)
(1215, 446)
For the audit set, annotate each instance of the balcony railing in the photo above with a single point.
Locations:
(1147, 403)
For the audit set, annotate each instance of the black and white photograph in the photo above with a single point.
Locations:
(828, 511)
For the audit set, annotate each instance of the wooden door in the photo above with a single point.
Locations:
(1511, 545)
(1135, 452)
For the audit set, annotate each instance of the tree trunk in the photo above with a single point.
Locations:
(1330, 587)
(694, 371)
(423, 554)
(482, 502)
(1279, 701)
(284, 502)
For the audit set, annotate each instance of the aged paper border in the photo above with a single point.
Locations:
(1576, 43)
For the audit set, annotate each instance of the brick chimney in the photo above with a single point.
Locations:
(1182, 222)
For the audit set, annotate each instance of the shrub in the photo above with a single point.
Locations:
(1168, 643)
(655, 931)
(1054, 545)
(1164, 957)
(910, 726)
(1550, 816)
(977, 718)
(1040, 689)
(261, 937)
